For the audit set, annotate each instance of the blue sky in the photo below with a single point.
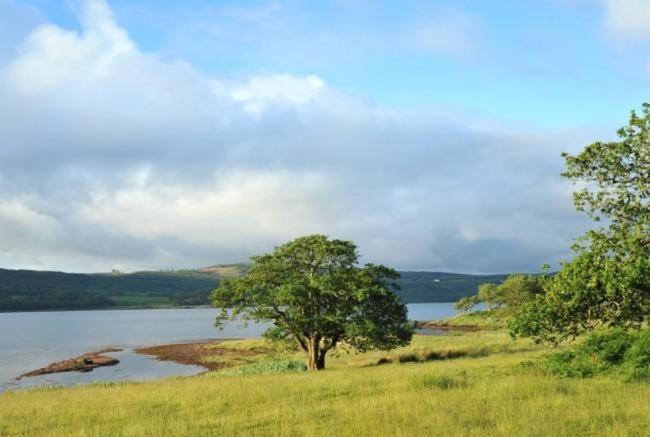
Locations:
(158, 134)
(549, 63)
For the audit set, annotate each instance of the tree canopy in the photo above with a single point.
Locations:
(608, 281)
(315, 293)
(515, 291)
(466, 303)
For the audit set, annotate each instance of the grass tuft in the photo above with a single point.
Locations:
(443, 382)
(264, 367)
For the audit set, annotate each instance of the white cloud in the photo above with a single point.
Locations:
(112, 157)
(228, 210)
(261, 92)
(53, 55)
(628, 19)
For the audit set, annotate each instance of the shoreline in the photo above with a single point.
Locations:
(202, 353)
(122, 308)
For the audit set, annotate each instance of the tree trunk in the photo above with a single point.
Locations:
(320, 364)
(313, 354)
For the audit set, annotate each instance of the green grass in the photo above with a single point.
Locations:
(484, 392)
(494, 319)
(263, 367)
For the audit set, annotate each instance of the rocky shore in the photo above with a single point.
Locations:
(84, 363)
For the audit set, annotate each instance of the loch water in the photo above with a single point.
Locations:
(31, 340)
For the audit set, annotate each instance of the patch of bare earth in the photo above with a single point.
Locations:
(205, 354)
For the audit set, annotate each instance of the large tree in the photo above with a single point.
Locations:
(315, 293)
(608, 281)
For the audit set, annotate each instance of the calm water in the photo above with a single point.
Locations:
(29, 341)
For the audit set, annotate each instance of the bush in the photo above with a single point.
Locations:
(637, 357)
(573, 363)
(611, 351)
(609, 346)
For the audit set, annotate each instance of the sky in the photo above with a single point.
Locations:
(155, 134)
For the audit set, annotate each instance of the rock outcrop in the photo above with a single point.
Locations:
(84, 363)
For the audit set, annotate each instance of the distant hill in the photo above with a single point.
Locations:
(441, 287)
(29, 290)
(226, 270)
(22, 290)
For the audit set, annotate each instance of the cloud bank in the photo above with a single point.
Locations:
(628, 19)
(113, 158)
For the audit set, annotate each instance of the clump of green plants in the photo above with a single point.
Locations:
(429, 355)
(409, 357)
(444, 382)
(610, 351)
(266, 366)
(637, 357)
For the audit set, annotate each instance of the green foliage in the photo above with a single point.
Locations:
(609, 351)
(515, 291)
(314, 292)
(637, 357)
(490, 295)
(609, 347)
(264, 367)
(518, 290)
(24, 290)
(616, 174)
(606, 284)
(465, 304)
(608, 281)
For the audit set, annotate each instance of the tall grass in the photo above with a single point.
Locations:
(485, 395)
(263, 367)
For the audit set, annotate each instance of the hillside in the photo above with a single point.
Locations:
(26, 290)
(441, 287)
(22, 290)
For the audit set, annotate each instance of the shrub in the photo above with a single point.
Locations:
(637, 357)
(572, 363)
(267, 366)
(609, 346)
(408, 358)
(614, 350)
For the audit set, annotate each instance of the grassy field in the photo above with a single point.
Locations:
(483, 391)
(495, 319)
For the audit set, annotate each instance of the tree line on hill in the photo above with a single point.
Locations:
(28, 290)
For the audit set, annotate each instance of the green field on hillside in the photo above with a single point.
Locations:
(473, 384)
